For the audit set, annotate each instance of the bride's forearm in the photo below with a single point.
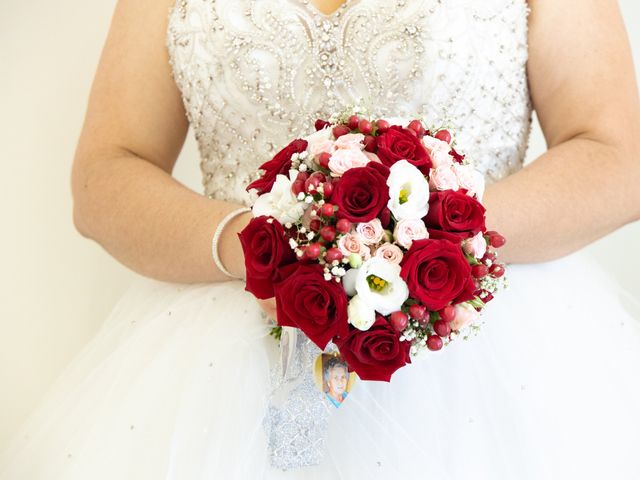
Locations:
(152, 223)
(573, 194)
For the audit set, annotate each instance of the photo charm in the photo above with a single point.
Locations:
(333, 378)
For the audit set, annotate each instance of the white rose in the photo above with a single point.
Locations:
(408, 191)
(351, 141)
(280, 203)
(379, 285)
(470, 179)
(438, 151)
(407, 231)
(476, 245)
(443, 178)
(319, 141)
(360, 314)
(371, 232)
(465, 316)
(345, 159)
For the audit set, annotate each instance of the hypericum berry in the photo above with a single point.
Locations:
(343, 225)
(417, 311)
(323, 159)
(328, 233)
(489, 255)
(340, 130)
(444, 135)
(312, 183)
(327, 190)
(496, 270)
(313, 251)
(479, 271)
(297, 187)
(315, 225)
(302, 176)
(370, 143)
(496, 240)
(352, 122)
(399, 320)
(332, 255)
(365, 126)
(448, 313)
(382, 125)
(434, 342)
(327, 210)
(442, 328)
(416, 126)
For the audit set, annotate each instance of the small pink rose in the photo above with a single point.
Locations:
(372, 156)
(321, 146)
(465, 316)
(470, 179)
(350, 141)
(438, 151)
(370, 232)
(443, 178)
(476, 245)
(345, 159)
(408, 230)
(352, 243)
(390, 252)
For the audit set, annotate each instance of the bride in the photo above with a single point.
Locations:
(175, 384)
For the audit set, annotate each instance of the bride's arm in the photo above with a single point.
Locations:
(584, 91)
(124, 195)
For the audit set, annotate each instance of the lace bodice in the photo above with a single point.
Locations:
(256, 73)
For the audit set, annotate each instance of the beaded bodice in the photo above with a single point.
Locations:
(254, 74)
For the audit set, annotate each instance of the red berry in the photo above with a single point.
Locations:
(479, 271)
(442, 328)
(340, 130)
(333, 254)
(365, 126)
(399, 320)
(417, 311)
(343, 225)
(297, 187)
(496, 240)
(417, 127)
(434, 342)
(323, 159)
(327, 189)
(328, 233)
(313, 251)
(382, 125)
(315, 225)
(352, 122)
(489, 256)
(312, 183)
(443, 135)
(370, 143)
(302, 176)
(412, 132)
(496, 270)
(448, 313)
(326, 210)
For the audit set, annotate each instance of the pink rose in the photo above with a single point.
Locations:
(350, 141)
(407, 231)
(443, 178)
(371, 232)
(352, 243)
(321, 146)
(476, 245)
(389, 252)
(470, 179)
(345, 159)
(465, 315)
(372, 157)
(438, 151)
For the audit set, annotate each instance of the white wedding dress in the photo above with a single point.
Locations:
(174, 386)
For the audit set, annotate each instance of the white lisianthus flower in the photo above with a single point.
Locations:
(349, 281)
(379, 285)
(361, 315)
(280, 203)
(408, 192)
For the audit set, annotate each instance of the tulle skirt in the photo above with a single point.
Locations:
(174, 386)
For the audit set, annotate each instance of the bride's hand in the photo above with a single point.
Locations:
(269, 307)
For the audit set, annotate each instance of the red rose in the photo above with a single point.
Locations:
(376, 353)
(279, 164)
(399, 143)
(304, 299)
(265, 249)
(455, 212)
(360, 194)
(437, 273)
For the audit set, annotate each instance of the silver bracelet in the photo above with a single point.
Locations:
(216, 237)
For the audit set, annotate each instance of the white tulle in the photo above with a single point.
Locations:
(174, 385)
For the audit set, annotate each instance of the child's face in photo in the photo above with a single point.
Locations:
(337, 381)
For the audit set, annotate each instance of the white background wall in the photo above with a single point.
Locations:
(56, 287)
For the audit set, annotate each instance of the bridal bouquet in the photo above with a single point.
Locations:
(371, 235)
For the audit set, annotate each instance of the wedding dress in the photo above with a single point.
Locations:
(175, 384)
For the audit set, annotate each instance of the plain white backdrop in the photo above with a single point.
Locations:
(56, 287)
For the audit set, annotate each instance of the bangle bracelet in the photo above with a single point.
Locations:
(216, 237)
